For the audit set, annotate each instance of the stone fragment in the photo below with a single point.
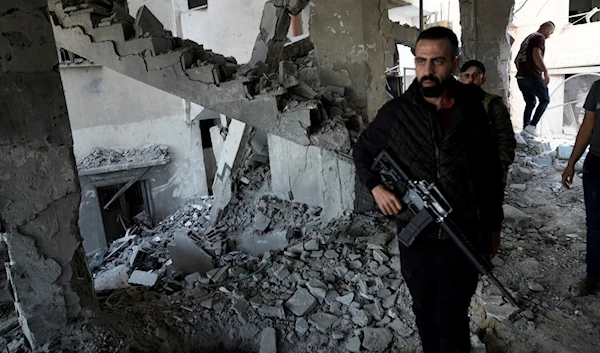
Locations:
(476, 345)
(143, 278)
(301, 326)
(378, 241)
(323, 321)
(187, 256)
(281, 271)
(355, 265)
(402, 329)
(261, 222)
(218, 275)
(518, 187)
(389, 301)
(353, 344)
(193, 278)
(375, 310)
(535, 287)
(276, 312)
(268, 341)
(563, 152)
(258, 244)
(340, 271)
(301, 302)
(380, 257)
(337, 335)
(393, 246)
(296, 249)
(346, 299)
(207, 304)
(146, 22)
(318, 289)
(515, 217)
(492, 299)
(523, 173)
(382, 271)
(115, 278)
(360, 317)
(311, 245)
(377, 339)
(331, 254)
(500, 312)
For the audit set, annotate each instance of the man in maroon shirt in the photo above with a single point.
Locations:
(532, 75)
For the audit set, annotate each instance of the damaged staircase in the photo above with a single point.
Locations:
(104, 32)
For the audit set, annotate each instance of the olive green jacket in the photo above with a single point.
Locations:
(502, 127)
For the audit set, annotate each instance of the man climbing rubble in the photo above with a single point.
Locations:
(473, 72)
(589, 134)
(439, 131)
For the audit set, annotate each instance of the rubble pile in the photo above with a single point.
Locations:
(125, 159)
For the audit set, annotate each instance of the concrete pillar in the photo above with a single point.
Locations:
(484, 37)
(351, 39)
(39, 191)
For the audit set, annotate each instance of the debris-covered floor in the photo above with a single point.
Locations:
(279, 280)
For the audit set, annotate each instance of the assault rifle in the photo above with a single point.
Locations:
(428, 205)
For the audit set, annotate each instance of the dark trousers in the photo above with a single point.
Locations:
(441, 283)
(591, 193)
(532, 88)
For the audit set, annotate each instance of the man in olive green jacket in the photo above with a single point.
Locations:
(473, 72)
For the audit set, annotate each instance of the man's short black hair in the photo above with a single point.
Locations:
(548, 23)
(435, 33)
(478, 64)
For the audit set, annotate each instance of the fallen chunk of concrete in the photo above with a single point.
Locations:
(500, 312)
(187, 256)
(402, 329)
(258, 244)
(268, 341)
(353, 344)
(146, 22)
(115, 278)
(515, 217)
(377, 339)
(143, 278)
(261, 222)
(301, 302)
(346, 299)
(301, 326)
(323, 321)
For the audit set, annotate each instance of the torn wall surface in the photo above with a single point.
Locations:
(39, 193)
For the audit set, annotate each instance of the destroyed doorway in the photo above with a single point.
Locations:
(118, 216)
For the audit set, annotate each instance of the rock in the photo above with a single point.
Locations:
(535, 287)
(378, 241)
(261, 222)
(390, 301)
(476, 345)
(563, 152)
(281, 271)
(268, 341)
(218, 275)
(377, 339)
(115, 278)
(311, 245)
(380, 257)
(259, 244)
(187, 256)
(276, 312)
(360, 317)
(340, 271)
(143, 278)
(384, 293)
(500, 312)
(518, 187)
(346, 299)
(193, 278)
(355, 265)
(515, 217)
(337, 335)
(520, 141)
(492, 299)
(318, 289)
(331, 254)
(207, 304)
(382, 271)
(301, 326)
(323, 321)
(375, 310)
(353, 344)
(402, 329)
(296, 249)
(301, 302)
(394, 246)
(523, 173)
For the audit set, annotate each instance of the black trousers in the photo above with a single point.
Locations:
(441, 282)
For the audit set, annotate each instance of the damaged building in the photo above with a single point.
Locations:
(176, 176)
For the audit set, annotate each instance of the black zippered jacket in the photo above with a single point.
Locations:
(464, 163)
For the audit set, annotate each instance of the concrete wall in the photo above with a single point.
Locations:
(314, 176)
(110, 110)
(228, 27)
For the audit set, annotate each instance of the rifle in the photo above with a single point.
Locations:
(428, 205)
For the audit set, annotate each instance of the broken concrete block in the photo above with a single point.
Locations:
(402, 329)
(346, 299)
(476, 345)
(117, 32)
(323, 321)
(276, 312)
(311, 245)
(331, 254)
(375, 310)
(143, 278)
(523, 173)
(187, 256)
(261, 222)
(193, 278)
(515, 217)
(377, 339)
(146, 22)
(301, 302)
(380, 257)
(208, 74)
(500, 312)
(353, 344)
(268, 341)
(281, 271)
(360, 317)
(318, 289)
(115, 278)
(563, 152)
(535, 287)
(258, 244)
(301, 326)
(218, 275)
(303, 90)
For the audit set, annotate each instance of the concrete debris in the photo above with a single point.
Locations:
(353, 344)
(101, 160)
(476, 345)
(346, 299)
(377, 339)
(187, 256)
(323, 321)
(535, 287)
(500, 312)
(143, 278)
(515, 217)
(301, 302)
(268, 341)
(147, 24)
(401, 328)
(301, 326)
(115, 278)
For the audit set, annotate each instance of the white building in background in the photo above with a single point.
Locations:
(572, 58)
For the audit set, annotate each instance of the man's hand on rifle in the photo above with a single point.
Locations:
(387, 201)
(495, 244)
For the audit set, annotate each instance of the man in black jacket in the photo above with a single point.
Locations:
(438, 129)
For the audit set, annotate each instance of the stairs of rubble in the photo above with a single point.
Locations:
(104, 32)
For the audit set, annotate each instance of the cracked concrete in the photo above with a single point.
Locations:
(39, 193)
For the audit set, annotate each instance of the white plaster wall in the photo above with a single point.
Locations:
(110, 110)
(228, 27)
(162, 9)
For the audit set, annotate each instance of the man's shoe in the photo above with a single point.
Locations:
(531, 130)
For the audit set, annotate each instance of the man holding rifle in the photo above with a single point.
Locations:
(438, 130)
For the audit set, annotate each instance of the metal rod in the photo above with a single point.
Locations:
(420, 15)
(125, 187)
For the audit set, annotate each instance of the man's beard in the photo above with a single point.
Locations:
(433, 91)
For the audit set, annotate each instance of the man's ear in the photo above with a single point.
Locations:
(483, 79)
(456, 64)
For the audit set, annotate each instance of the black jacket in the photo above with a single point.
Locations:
(464, 163)
(502, 128)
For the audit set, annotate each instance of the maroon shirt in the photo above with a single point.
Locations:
(526, 67)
